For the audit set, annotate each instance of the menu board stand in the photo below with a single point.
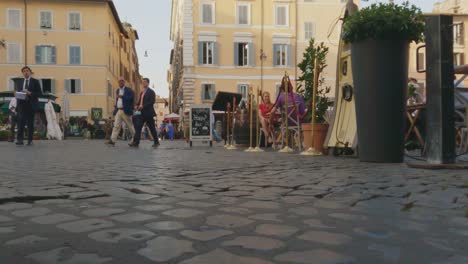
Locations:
(200, 124)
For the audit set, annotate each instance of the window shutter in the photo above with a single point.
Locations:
(212, 92)
(215, 54)
(11, 85)
(251, 54)
(48, 19)
(275, 54)
(239, 90)
(78, 86)
(200, 53)
(289, 57)
(67, 86)
(236, 54)
(52, 86)
(54, 55)
(38, 55)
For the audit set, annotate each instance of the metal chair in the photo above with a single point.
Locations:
(294, 126)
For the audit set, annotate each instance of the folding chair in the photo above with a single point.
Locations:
(294, 126)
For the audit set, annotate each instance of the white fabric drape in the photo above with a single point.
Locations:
(53, 128)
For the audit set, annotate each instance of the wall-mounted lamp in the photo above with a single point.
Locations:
(263, 56)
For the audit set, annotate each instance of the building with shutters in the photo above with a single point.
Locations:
(80, 47)
(228, 45)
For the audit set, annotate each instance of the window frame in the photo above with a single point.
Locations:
(8, 58)
(249, 16)
(211, 92)
(206, 49)
(276, 6)
(213, 12)
(69, 18)
(246, 55)
(51, 19)
(51, 57)
(285, 46)
(312, 30)
(8, 18)
(69, 54)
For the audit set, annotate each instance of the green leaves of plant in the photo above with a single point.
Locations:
(385, 22)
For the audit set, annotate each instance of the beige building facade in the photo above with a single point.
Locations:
(231, 45)
(78, 47)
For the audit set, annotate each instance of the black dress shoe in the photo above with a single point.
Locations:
(133, 145)
(19, 143)
(110, 142)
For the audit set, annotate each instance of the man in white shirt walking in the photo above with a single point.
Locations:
(123, 111)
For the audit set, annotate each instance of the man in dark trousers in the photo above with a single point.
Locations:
(27, 105)
(145, 114)
(123, 111)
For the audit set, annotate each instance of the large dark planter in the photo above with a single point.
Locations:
(380, 73)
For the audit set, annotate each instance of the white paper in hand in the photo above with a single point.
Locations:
(20, 95)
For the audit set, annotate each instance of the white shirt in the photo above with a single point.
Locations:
(24, 83)
(12, 105)
(119, 100)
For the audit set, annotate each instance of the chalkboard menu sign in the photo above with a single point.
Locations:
(200, 123)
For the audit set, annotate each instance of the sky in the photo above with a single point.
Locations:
(151, 18)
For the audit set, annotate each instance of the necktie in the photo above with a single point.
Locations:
(27, 85)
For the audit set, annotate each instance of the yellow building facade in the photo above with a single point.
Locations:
(78, 47)
(231, 45)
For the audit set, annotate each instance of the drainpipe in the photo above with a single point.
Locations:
(296, 48)
(25, 33)
(261, 48)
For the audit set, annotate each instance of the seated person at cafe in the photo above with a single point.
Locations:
(296, 104)
(265, 117)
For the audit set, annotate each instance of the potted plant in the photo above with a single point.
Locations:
(322, 102)
(380, 36)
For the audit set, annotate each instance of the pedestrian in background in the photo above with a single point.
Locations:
(145, 114)
(123, 111)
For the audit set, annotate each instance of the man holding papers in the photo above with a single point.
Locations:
(27, 97)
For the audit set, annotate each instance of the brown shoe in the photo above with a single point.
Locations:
(110, 142)
(133, 145)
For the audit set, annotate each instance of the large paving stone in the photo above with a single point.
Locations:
(183, 213)
(5, 219)
(389, 253)
(31, 212)
(327, 238)
(228, 221)
(235, 210)
(255, 242)
(65, 255)
(197, 204)
(86, 225)
(14, 206)
(53, 219)
(260, 205)
(304, 211)
(276, 230)
(133, 217)
(318, 256)
(316, 224)
(153, 207)
(164, 248)
(206, 235)
(166, 225)
(29, 239)
(116, 235)
(100, 212)
(7, 229)
(217, 255)
(266, 217)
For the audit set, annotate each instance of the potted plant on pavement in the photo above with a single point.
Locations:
(322, 102)
(380, 36)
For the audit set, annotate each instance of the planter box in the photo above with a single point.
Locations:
(320, 134)
(380, 73)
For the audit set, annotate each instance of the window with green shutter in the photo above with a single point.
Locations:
(75, 55)
(46, 20)
(46, 55)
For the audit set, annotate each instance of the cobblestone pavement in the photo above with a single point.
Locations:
(81, 202)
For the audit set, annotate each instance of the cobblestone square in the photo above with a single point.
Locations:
(82, 202)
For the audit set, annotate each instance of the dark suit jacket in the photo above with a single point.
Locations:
(32, 101)
(127, 100)
(148, 104)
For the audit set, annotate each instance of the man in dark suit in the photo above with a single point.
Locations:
(28, 106)
(145, 114)
(123, 111)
